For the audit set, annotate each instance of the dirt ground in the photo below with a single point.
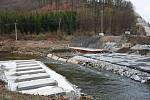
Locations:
(41, 48)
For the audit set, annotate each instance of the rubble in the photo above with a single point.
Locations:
(122, 66)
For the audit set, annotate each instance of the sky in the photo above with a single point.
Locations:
(143, 8)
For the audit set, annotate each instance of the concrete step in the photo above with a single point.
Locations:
(31, 78)
(47, 90)
(26, 63)
(32, 75)
(22, 61)
(29, 72)
(34, 84)
(28, 68)
(29, 65)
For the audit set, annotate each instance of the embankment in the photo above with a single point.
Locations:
(39, 48)
(133, 73)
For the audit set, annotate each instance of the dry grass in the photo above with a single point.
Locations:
(139, 40)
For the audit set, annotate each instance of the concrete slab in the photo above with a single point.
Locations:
(33, 77)
(47, 90)
(36, 83)
(27, 69)
(29, 65)
(25, 63)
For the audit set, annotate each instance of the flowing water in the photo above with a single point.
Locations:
(100, 85)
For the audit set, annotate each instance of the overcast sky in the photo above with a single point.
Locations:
(143, 8)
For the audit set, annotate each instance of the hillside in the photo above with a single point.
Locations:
(18, 4)
(113, 17)
(142, 26)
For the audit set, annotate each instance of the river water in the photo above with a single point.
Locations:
(101, 85)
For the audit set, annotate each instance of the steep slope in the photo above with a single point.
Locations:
(144, 24)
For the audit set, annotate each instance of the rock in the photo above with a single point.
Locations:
(62, 59)
(49, 55)
(148, 80)
(143, 81)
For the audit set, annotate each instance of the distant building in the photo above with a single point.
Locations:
(127, 32)
(101, 34)
(127, 45)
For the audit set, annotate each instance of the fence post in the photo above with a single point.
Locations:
(16, 32)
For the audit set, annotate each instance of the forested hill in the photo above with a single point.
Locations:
(18, 4)
(112, 17)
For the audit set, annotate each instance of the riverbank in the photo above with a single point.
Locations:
(6, 94)
(135, 67)
(32, 50)
(101, 84)
(33, 77)
(39, 48)
(42, 48)
(98, 84)
(9, 95)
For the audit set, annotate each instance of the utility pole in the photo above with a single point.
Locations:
(95, 16)
(102, 17)
(102, 28)
(16, 31)
(59, 28)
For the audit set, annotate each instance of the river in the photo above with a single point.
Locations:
(101, 85)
